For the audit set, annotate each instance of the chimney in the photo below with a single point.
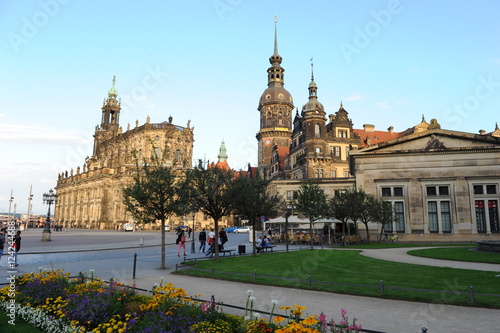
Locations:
(482, 132)
(369, 128)
(391, 129)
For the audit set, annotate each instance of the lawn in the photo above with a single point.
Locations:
(468, 253)
(349, 267)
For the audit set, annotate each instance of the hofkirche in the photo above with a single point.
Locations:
(443, 184)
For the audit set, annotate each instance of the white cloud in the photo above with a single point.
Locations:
(383, 105)
(36, 134)
(401, 102)
(355, 97)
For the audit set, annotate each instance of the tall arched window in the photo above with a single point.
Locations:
(317, 131)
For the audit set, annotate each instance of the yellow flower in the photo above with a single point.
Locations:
(278, 319)
(311, 320)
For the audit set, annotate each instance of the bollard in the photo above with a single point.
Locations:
(176, 266)
(471, 292)
(254, 274)
(212, 271)
(135, 265)
(381, 287)
(212, 302)
(142, 241)
(309, 280)
(424, 329)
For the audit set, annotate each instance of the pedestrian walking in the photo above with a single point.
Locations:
(203, 240)
(181, 241)
(17, 246)
(2, 241)
(223, 238)
(189, 232)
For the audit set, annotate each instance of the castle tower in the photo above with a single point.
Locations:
(313, 114)
(275, 107)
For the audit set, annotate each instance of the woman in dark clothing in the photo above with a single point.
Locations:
(17, 246)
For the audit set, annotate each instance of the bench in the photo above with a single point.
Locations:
(223, 252)
(265, 248)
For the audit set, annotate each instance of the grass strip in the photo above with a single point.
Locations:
(349, 267)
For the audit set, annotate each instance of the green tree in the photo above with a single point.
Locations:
(363, 207)
(153, 195)
(209, 189)
(251, 198)
(384, 214)
(338, 208)
(311, 202)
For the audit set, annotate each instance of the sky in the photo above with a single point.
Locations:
(389, 62)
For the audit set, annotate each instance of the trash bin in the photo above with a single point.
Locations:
(241, 249)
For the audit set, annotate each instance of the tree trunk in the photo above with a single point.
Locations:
(216, 239)
(311, 233)
(162, 263)
(254, 250)
(367, 232)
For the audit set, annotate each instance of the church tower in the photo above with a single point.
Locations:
(109, 126)
(275, 107)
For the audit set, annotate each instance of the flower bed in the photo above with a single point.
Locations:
(54, 302)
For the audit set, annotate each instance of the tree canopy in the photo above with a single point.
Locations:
(153, 195)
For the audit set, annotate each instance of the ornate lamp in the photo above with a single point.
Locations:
(49, 199)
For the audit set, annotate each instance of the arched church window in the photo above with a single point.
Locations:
(317, 131)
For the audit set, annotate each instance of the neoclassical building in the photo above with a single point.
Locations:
(91, 196)
(444, 185)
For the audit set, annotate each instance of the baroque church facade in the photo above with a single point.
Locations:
(444, 185)
(91, 196)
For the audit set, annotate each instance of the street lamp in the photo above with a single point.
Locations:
(192, 238)
(11, 198)
(49, 199)
(289, 212)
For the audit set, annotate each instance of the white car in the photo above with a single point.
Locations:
(128, 227)
(243, 230)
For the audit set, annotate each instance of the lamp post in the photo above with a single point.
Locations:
(29, 207)
(192, 238)
(289, 212)
(11, 198)
(49, 199)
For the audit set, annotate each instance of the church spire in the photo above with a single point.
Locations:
(112, 93)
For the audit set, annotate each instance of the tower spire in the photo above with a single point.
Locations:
(312, 69)
(222, 152)
(112, 93)
(275, 35)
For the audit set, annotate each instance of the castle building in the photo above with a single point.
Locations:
(443, 185)
(91, 196)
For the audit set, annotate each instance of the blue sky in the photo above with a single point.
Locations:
(206, 61)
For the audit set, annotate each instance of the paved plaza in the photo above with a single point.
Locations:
(84, 246)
